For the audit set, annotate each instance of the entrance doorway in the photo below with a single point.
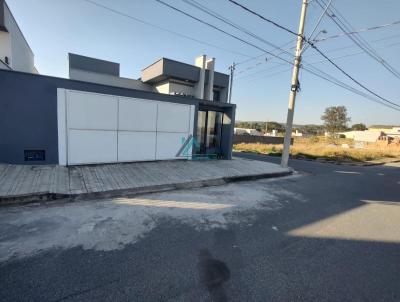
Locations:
(209, 132)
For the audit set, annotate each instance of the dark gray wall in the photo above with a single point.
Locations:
(93, 65)
(167, 68)
(28, 112)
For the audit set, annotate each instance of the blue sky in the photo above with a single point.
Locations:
(55, 27)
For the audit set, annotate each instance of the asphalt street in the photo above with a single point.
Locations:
(328, 233)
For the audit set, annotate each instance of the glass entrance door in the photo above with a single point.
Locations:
(209, 132)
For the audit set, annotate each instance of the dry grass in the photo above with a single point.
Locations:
(321, 148)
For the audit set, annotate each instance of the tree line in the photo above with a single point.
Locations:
(335, 119)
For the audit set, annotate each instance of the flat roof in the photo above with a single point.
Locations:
(165, 68)
(92, 64)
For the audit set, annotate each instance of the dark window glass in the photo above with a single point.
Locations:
(201, 131)
(214, 129)
(216, 96)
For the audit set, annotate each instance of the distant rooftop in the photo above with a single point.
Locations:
(93, 65)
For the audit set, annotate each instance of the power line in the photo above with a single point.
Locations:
(227, 21)
(359, 31)
(364, 45)
(310, 63)
(355, 46)
(162, 28)
(221, 30)
(208, 11)
(263, 54)
(352, 89)
(253, 45)
(319, 20)
(355, 53)
(264, 18)
(318, 50)
(353, 79)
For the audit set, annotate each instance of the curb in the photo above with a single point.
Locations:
(324, 161)
(351, 163)
(44, 197)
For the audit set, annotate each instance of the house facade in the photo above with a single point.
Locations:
(97, 117)
(174, 111)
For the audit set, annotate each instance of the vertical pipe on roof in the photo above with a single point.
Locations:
(209, 95)
(199, 87)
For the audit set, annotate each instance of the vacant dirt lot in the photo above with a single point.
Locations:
(320, 147)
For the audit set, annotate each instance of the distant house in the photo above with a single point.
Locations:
(367, 136)
(394, 132)
(247, 131)
(297, 133)
(372, 135)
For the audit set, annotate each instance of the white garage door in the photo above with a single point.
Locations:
(97, 128)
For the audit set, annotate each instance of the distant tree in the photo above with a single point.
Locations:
(312, 129)
(358, 127)
(335, 119)
(275, 126)
(259, 126)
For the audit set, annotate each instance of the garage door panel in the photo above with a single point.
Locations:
(104, 128)
(168, 144)
(173, 117)
(137, 115)
(136, 146)
(92, 111)
(92, 146)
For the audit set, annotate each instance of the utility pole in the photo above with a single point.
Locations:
(294, 87)
(232, 69)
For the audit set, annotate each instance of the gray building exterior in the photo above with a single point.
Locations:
(28, 115)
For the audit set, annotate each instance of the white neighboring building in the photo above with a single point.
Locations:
(372, 135)
(15, 53)
(247, 131)
(367, 136)
(297, 133)
(394, 132)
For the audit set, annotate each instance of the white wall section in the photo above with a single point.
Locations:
(136, 146)
(137, 115)
(173, 117)
(91, 146)
(98, 128)
(92, 111)
(14, 45)
(62, 126)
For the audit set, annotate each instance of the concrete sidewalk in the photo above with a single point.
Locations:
(24, 183)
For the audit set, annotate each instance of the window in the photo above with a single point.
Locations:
(209, 131)
(216, 96)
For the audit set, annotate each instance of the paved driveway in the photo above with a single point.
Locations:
(329, 233)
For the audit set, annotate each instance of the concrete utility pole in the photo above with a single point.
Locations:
(232, 69)
(294, 87)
